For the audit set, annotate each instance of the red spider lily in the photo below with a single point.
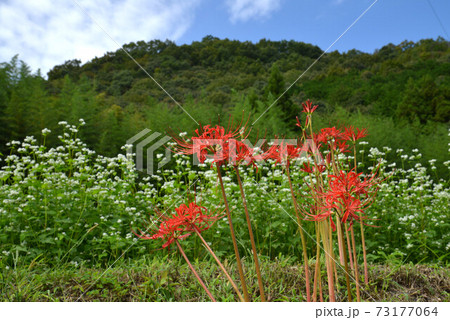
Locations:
(181, 224)
(319, 215)
(347, 195)
(210, 142)
(328, 134)
(239, 152)
(348, 207)
(283, 152)
(307, 107)
(298, 124)
(320, 212)
(351, 135)
(342, 146)
(344, 195)
(307, 168)
(336, 145)
(351, 183)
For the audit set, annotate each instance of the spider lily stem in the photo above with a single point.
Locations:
(366, 276)
(355, 261)
(252, 239)
(347, 277)
(317, 279)
(363, 242)
(302, 236)
(220, 264)
(349, 247)
(233, 237)
(323, 226)
(194, 272)
(340, 245)
(333, 257)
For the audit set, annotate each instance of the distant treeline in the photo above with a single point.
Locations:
(401, 87)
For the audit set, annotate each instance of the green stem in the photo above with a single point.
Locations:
(252, 240)
(317, 267)
(194, 272)
(220, 264)
(324, 226)
(302, 237)
(366, 277)
(46, 207)
(349, 247)
(366, 273)
(347, 277)
(358, 294)
(233, 237)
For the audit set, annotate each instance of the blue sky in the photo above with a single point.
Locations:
(322, 22)
(46, 33)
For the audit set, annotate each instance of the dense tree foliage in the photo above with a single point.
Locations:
(405, 87)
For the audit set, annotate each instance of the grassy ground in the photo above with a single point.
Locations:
(170, 279)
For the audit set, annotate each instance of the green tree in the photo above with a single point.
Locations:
(110, 125)
(281, 100)
(70, 67)
(78, 101)
(420, 100)
(24, 112)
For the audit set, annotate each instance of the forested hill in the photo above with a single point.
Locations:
(408, 83)
(406, 80)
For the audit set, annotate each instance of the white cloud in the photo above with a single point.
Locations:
(243, 10)
(46, 33)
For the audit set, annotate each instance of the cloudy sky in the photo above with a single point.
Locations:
(46, 33)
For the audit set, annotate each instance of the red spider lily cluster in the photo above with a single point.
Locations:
(351, 135)
(218, 144)
(283, 152)
(208, 143)
(344, 191)
(181, 224)
(344, 197)
(338, 195)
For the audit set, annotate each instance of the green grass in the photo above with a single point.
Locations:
(169, 279)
